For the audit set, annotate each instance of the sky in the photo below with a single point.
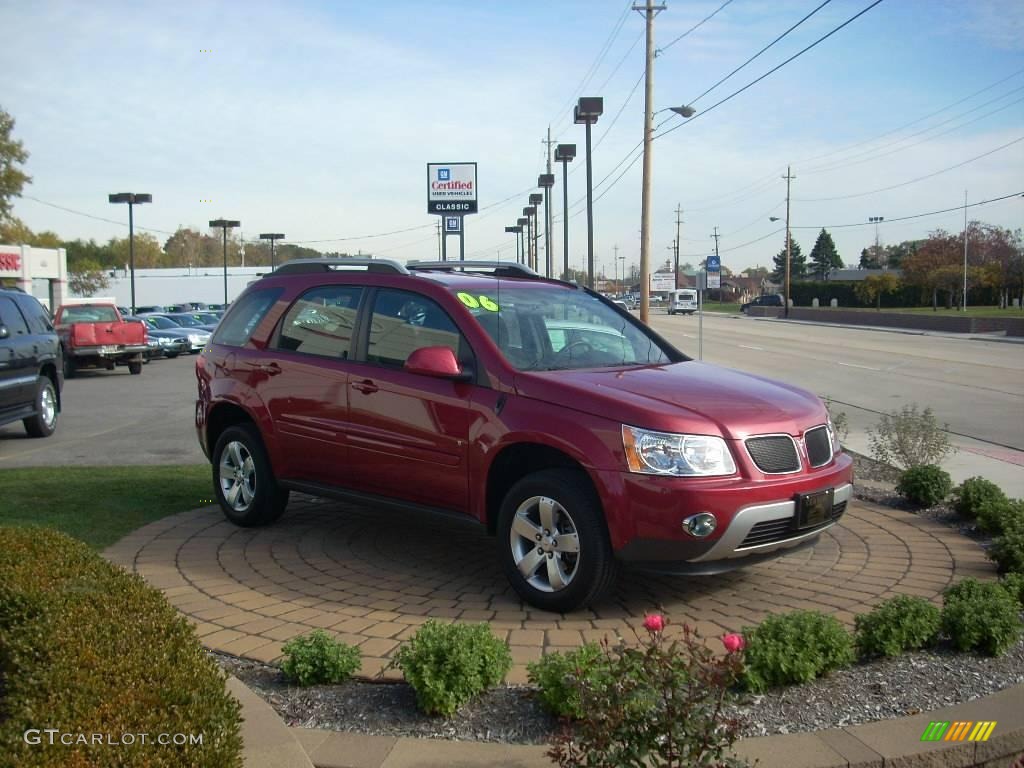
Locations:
(317, 119)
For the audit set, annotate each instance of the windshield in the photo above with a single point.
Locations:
(186, 320)
(161, 323)
(545, 327)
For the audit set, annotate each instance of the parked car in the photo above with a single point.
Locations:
(682, 300)
(149, 309)
(768, 300)
(197, 306)
(197, 335)
(31, 378)
(94, 335)
(453, 388)
(166, 337)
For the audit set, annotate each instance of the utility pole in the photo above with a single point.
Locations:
(716, 236)
(439, 257)
(965, 252)
(618, 288)
(679, 220)
(788, 177)
(649, 11)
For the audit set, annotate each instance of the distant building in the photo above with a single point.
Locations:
(854, 275)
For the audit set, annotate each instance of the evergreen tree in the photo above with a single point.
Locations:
(797, 263)
(824, 256)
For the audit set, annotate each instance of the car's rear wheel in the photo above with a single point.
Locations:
(134, 368)
(44, 422)
(170, 355)
(243, 479)
(553, 542)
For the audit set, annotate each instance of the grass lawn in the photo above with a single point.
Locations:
(942, 311)
(725, 308)
(99, 505)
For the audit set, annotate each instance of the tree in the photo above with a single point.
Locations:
(895, 254)
(872, 257)
(761, 273)
(12, 154)
(797, 263)
(148, 253)
(88, 252)
(13, 231)
(936, 265)
(88, 278)
(871, 288)
(824, 256)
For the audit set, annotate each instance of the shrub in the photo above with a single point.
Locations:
(975, 493)
(449, 664)
(996, 516)
(909, 438)
(840, 421)
(1007, 550)
(553, 676)
(980, 616)
(1013, 583)
(901, 624)
(319, 658)
(925, 485)
(88, 648)
(794, 648)
(664, 708)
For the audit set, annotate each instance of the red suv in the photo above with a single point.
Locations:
(573, 432)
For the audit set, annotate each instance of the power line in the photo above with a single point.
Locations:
(912, 181)
(914, 216)
(619, 113)
(694, 28)
(748, 61)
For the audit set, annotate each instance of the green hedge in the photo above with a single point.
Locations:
(89, 649)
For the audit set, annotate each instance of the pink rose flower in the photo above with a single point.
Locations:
(654, 623)
(733, 642)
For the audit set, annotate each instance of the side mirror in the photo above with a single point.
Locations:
(438, 362)
(4, 333)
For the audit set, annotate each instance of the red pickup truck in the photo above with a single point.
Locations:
(95, 336)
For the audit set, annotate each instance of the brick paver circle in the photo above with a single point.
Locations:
(370, 577)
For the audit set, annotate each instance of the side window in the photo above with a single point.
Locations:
(321, 321)
(35, 313)
(11, 316)
(403, 322)
(243, 317)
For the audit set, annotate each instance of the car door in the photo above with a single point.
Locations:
(17, 370)
(302, 378)
(408, 433)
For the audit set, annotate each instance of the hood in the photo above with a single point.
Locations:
(681, 397)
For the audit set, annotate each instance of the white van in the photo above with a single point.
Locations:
(683, 300)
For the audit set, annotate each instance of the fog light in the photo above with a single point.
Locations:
(700, 525)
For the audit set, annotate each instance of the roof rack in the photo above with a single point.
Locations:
(496, 268)
(330, 264)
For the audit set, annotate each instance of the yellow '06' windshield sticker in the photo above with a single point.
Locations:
(475, 302)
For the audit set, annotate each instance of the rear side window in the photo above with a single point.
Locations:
(403, 322)
(321, 321)
(244, 316)
(35, 314)
(10, 316)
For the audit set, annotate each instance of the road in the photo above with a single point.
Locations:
(977, 387)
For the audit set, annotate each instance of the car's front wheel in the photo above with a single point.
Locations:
(553, 542)
(44, 422)
(243, 479)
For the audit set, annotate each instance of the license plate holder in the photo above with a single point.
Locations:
(814, 509)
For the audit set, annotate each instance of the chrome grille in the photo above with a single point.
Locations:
(819, 446)
(774, 454)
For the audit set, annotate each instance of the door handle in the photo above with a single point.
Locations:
(271, 369)
(366, 386)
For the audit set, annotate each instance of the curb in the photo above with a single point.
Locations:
(883, 744)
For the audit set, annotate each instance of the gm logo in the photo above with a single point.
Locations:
(444, 174)
(451, 224)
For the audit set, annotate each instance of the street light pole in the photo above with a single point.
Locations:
(789, 178)
(522, 223)
(588, 109)
(271, 236)
(225, 225)
(529, 212)
(132, 198)
(536, 199)
(547, 181)
(564, 153)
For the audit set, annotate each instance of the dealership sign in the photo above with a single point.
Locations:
(451, 188)
(10, 262)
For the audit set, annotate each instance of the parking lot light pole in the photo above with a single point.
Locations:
(523, 223)
(513, 231)
(271, 236)
(132, 198)
(536, 199)
(546, 181)
(529, 212)
(225, 225)
(564, 153)
(586, 112)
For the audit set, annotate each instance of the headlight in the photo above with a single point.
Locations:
(195, 338)
(833, 437)
(664, 453)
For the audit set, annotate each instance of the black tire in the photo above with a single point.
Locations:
(590, 572)
(44, 422)
(267, 501)
(170, 355)
(70, 369)
(135, 368)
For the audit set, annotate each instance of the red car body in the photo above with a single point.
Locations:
(458, 438)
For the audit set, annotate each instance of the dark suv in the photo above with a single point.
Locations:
(768, 300)
(30, 364)
(573, 432)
